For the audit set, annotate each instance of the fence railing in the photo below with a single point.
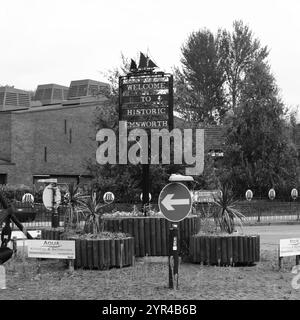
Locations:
(254, 211)
(260, 210)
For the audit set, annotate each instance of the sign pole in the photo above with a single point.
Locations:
(55, 217)
(175, 203)
(173, 258)
(145, 168)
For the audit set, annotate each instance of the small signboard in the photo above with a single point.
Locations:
(205, 196)
(54, 249)
(175, 201)
(289, 247)
(50, 180)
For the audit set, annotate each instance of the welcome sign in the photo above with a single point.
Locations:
(146, 101)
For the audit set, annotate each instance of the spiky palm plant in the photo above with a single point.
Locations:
(74, 203)
(226, 212)
(92, 208)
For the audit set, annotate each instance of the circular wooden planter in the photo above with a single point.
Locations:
(104, 253)
(224, 250)
(151, 234)
(97, 253)
(25, 214)
(52, 234)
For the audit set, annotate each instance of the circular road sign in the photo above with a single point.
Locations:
(294, 194)
(48, 197)
(175, 201)
(108, 197)
(141, 196)
(28, 197)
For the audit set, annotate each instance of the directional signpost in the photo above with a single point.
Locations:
(175, 203)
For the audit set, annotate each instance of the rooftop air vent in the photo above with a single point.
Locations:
(51, 93)
(86, 88)
(13, 99)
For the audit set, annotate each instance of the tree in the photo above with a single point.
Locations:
(237, 53)
(199, 86)
(213, 72)
(259, 153)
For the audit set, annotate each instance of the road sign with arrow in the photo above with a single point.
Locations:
(175, 201)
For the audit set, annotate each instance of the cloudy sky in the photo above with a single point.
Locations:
(56, 41)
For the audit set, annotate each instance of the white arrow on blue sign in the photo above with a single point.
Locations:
(175, 201)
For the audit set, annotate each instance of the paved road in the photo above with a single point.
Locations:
(270, 235)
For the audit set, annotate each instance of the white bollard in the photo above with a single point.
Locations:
(2, 278)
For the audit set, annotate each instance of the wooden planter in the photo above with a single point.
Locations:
(52, 234)
(104, 254)
(25, 214)
(224, 250)
(151, 234)
(98, 253)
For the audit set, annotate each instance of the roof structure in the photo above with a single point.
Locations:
(12, 98)
(51, 93)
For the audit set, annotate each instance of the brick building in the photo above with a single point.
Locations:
(52, 133)
(50, 138)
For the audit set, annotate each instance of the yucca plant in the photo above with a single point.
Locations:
(92, 208)
(73, 214)
(226, 212)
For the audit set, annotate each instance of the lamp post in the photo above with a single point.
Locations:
(294, 195)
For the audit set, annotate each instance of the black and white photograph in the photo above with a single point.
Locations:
(149, 154)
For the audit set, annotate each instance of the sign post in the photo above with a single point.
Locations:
(146, 102)
(175, 203)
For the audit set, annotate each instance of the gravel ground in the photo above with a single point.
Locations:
(31, 279)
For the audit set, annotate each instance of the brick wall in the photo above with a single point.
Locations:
(67, 132)
(5, 136)
(69, 136)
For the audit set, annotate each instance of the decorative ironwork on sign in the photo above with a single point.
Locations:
(146, 96)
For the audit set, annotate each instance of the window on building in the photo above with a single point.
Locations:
(3, 178)
(45, 154)
(70, 136)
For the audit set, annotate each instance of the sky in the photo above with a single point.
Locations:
(57, 41)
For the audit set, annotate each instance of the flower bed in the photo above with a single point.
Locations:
(224, 249)
(52, 233)
(101, 251)
(104, 253)
(151, 234)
